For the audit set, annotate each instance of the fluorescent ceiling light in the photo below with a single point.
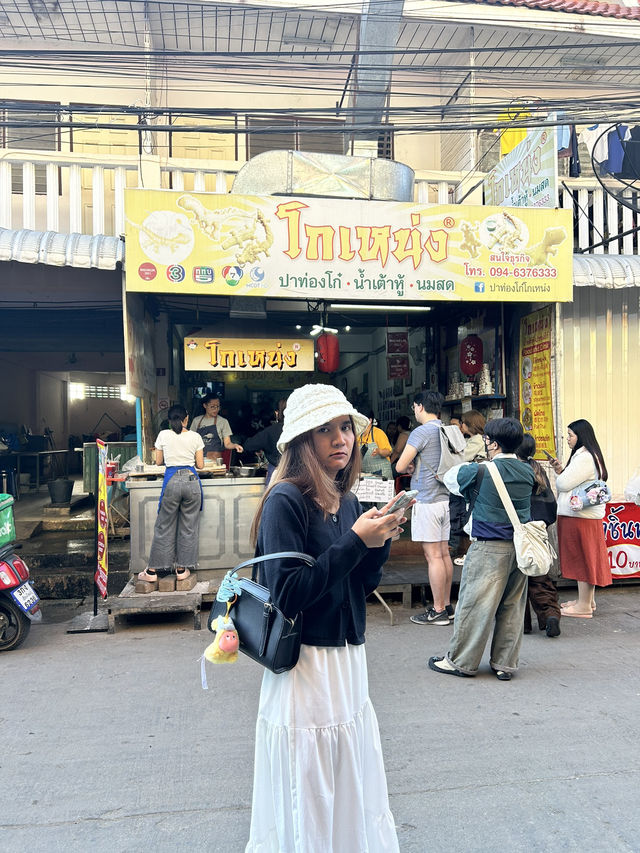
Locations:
(387, 308)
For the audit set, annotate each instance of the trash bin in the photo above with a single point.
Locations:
(60, 490)
(7, 527)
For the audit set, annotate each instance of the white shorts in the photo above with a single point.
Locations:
(430, 522)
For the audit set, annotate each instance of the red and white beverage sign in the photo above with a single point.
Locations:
(622, 537)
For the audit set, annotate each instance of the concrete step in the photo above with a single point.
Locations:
(67, 523)
(60, 583)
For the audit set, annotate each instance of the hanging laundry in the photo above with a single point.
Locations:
(510, 137)
(564, 140)
(616, 145)
(631, 162)
(595, 139)
(574, 162)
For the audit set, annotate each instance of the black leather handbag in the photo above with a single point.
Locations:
(265, 634)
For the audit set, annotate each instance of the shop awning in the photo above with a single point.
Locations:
(609, 271)
(59, 250)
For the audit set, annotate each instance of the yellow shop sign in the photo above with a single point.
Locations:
(343, 249)
(272, 355)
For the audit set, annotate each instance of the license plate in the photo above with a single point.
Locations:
(25, 596)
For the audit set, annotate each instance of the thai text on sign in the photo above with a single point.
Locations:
(271, 355)
(341, 249)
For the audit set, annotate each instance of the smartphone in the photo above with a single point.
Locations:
(402, 501)
(549, 456)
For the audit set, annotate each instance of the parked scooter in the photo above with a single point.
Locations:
(19, 602)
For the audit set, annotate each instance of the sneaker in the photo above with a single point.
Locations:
(431, 617)
(450, 610)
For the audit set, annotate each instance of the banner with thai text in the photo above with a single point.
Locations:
(102, 521)
(277, 355)
(335, 249)
(536, 403)
(528, 175)
(622, 537)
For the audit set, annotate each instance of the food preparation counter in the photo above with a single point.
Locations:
(229, 506)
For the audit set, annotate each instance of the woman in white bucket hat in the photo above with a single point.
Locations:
(319, 780)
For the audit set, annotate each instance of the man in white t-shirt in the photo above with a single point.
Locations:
(214, 429)
(430, 522)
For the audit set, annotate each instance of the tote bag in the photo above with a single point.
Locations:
(534, 552)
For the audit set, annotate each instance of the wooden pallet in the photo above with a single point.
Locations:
(130, 602)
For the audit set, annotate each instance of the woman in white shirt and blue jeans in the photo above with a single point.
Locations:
(175, 535)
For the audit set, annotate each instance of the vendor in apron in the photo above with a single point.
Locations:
(376, 449)
(176, 532)
(214, 429)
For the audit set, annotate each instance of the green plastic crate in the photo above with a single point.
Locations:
(7, 527)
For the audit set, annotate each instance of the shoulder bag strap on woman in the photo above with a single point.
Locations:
(280, 555)
(504, 494)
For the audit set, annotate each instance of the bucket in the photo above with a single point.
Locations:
(60, 491)
(7, 527)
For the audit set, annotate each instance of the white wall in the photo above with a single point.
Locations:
(381, 397)
(17, 396)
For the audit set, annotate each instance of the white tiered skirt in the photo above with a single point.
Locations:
(319, 781)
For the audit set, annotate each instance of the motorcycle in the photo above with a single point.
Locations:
(19, 602)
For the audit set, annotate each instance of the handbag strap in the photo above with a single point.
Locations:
(280, 555)
(504, 494)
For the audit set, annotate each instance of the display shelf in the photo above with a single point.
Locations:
(485, 397)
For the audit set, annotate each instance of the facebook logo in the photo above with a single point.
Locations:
(479, 286)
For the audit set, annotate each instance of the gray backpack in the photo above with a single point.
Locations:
(452, 444)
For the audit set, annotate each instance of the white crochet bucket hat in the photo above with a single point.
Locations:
(313, 405)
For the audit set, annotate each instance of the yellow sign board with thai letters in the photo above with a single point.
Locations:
(272, 355)
(341, 249)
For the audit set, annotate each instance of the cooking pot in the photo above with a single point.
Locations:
(247, 471)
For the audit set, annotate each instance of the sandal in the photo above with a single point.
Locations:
(148, 575)
(564, 604)
(570, 611)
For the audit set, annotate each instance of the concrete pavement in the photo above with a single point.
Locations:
(110, 743)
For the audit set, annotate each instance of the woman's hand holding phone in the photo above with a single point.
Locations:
(375, 526)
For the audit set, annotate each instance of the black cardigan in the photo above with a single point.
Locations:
(332, 594)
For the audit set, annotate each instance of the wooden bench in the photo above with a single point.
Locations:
(400, 576)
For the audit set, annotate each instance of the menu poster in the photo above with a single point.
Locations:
(536, 404)
(102, 521)
(397, 342)
(372, 490)
(398, 367)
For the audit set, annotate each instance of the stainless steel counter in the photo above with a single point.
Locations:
(230, 504)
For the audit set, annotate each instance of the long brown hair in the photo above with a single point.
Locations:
(526, 452)
(587, 439)
(474, 421)
(299, 464)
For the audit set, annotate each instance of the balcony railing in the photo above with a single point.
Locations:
(80, 193)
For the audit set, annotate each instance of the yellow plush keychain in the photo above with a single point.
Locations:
(224, 648)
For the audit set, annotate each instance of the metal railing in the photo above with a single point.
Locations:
(79, 193)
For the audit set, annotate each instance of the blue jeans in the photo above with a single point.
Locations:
(493, 595)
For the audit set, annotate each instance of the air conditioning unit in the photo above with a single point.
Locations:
(247, 308)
